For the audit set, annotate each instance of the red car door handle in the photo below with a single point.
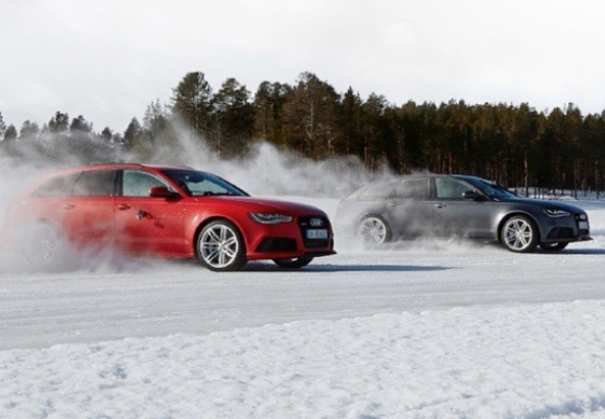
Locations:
(68, 206)
(144, 214)
(123, 207)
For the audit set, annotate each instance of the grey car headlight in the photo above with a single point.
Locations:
(556, 213)
(266, 218)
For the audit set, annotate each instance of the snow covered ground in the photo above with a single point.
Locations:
(420, 330)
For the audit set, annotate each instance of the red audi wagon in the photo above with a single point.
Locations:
(160, 210)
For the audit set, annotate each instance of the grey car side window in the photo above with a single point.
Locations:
(450, 189)
(412, 189)
(378, 192)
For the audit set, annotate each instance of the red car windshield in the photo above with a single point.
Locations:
(196, 183)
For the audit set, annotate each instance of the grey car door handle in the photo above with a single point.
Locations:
(440, 205)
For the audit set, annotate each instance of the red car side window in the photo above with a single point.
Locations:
(57, 186)
(94, 183)
(138, 183)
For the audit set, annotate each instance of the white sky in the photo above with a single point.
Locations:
(107, 60)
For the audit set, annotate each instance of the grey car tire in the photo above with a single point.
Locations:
(553, 247)
(220, 247)
(520, 234)
(374, 230)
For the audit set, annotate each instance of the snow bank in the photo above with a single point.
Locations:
(525, 362)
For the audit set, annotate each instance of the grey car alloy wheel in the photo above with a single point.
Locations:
(519, 234)
(374, 230)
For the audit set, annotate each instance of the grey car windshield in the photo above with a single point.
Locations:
(196, 183)
(493, 190)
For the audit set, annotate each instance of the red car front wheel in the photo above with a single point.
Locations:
(221, 247)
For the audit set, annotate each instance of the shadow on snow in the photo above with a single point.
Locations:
(267, 267)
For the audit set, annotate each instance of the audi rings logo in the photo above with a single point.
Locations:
(316, 222)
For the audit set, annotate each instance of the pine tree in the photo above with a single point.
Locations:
(9, 144)
(268, 105)
(59, 123)
(310, 117)
(373, 151)
(350, 122)
(80, 125)
(133, 134)
(107, 134)
(233, 119)
(158, 142)
(2, 127)
(192, 102)
(29, 130)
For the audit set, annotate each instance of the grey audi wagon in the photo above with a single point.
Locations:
(460, 206)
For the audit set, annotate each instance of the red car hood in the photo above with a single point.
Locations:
(262, 205)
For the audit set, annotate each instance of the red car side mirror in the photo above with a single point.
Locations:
(161, 192)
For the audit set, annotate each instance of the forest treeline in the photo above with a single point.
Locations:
(517, 146)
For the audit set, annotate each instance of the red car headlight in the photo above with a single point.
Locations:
(266, 218)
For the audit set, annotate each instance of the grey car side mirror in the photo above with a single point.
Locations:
(472, 195)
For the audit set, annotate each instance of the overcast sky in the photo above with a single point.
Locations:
(107, 60)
